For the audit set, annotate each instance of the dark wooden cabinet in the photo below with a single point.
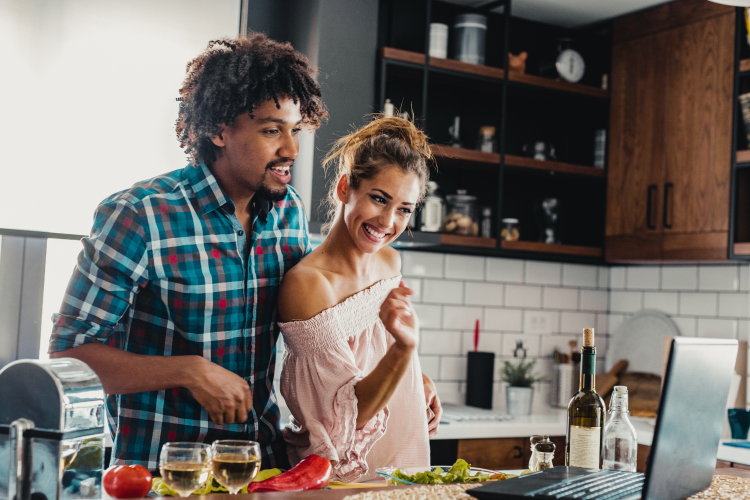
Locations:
(670, 160)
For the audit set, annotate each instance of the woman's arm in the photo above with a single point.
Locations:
(375, 390)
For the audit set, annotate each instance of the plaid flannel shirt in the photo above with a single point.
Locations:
(168, 271)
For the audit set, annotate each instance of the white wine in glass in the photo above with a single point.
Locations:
(235, 463)
(185, 467)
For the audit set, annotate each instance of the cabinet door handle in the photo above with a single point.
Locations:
(650, 207)
(519, 452)
(667, 188)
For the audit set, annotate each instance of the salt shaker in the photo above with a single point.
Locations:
(534, 440)
(545, 452)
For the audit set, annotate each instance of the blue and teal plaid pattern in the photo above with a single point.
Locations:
(168, 271)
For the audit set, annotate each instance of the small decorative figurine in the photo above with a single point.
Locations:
(517, 63)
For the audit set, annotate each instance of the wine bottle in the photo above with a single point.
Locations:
(586, 413)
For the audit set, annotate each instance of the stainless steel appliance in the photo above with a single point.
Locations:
(51, 430)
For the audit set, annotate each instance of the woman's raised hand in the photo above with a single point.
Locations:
(399, 318)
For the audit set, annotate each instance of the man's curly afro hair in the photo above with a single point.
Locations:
(233, 76)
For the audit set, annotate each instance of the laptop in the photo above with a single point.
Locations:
(683, 451)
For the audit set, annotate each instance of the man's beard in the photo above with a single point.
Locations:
(270, 194)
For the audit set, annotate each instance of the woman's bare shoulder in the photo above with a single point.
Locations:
(390, 259)
(304, 293)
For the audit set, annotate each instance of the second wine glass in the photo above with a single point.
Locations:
(185, 467)
(235, 463)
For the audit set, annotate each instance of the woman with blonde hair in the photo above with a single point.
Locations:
(351, 376)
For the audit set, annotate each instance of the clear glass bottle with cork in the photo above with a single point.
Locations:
(620, 442)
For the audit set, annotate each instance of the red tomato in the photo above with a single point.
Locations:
(127, 481)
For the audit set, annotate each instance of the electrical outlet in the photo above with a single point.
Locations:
(539, 322)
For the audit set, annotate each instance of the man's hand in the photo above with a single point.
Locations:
(433, 403)
(223, 394)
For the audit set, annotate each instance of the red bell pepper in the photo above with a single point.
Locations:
(312, 473)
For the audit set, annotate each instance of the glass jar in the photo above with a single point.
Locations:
(510, 230)
(461, 215)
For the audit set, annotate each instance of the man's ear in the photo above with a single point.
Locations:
(341, 189)
(218, 139)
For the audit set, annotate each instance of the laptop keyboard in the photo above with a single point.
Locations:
(609, 485)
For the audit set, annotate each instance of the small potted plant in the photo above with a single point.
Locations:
(520, 379)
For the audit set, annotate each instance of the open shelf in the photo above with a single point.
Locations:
(467, 241)
(534, 246)
(491, 72)
(554, 166)
(464, 154)
(561, 85)
(743, 156)
(744, 65)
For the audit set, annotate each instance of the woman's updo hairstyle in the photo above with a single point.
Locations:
(384, 142)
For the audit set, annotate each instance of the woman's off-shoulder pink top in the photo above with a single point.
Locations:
(325, 357)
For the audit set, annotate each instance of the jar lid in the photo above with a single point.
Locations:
(486, 211)
(487, 130)
(509, 221)
(461, 196)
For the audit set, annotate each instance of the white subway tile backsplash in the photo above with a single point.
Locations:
(594, 300)
(560, 298)
(523, 296)
(530, 342)
(601, 342)
(717, 328)
(450, 392)
(643, 278)
(430, 366)
(416, 285)
(602, 323)
(686, 326)
(615, 320)
(483, 294)
(502, 320)
(575, 322)
(625, 301)
(679, 278)
(734, 305)
(422, 264)
(743, 330)
(505, 270)
(698, 304)
(718, 278)
(603, 281)
(744, 277)
(665, 302)
(488, 342)
(541, 322)
(440, 342)
(443, 292)
(461, 318)
(465, 267)
(617, 278)
(543, 273)
(453, 369)
(430, 316)
(579, 275)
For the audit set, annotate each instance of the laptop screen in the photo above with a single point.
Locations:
(691, 415)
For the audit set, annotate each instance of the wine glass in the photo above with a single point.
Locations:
(185, 467)
(235, 463)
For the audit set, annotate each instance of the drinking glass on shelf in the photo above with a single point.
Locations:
(185, 467)
(235, 463)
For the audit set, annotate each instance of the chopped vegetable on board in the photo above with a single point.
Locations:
(460, 472)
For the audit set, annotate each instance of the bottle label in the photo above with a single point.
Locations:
(584, 447)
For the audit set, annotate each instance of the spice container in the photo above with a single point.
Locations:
(462, 214)
(545, 452)
(510, 230)
(486, 142)
(470, 32)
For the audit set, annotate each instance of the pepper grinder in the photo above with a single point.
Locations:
(534, 440)
(545, 452)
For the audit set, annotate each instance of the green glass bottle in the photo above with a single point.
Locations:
(586, 413)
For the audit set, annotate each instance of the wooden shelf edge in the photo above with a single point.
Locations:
(744, 65)
(402, 55)
(463, 67)
(534, 246)
(743, 156)
(549, 83)
(742, 248)
(467, 241)
(452, 153)
(555, 166)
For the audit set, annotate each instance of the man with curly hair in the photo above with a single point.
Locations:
(173, 299)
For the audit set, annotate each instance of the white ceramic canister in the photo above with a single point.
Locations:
(439, 40)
